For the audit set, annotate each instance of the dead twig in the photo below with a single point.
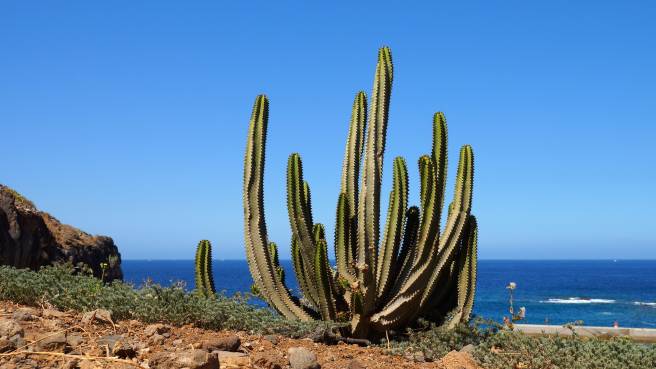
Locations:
(79, 357)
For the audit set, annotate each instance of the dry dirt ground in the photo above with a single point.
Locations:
(46, 338)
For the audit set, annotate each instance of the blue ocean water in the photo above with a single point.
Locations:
(556, 292)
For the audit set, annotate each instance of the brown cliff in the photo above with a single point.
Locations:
(30, 238)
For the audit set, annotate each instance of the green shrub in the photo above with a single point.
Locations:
(436, 341)
(60, 287)
(496, 348)
(515, 350)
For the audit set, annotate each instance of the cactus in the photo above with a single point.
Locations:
(203, 276)
(379, 283)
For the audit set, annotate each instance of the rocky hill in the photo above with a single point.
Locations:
(30, 238)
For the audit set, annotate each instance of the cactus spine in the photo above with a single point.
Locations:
(415, 269)
(203, 265)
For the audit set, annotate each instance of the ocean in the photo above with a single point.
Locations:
(554, 292)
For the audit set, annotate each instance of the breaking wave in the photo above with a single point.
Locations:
(641, 303)
(578, 300)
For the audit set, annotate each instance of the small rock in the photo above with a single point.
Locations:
(230, 343)
(272, 338)
(177, 342)
(17, 340)
(24, 314)
(166, 334)
(9, 328)
(52, 313)
(101, 315)
(468, 348)
(302, 358)
(109, 340)
(192, 359)
(55, 343)
(157, 339)
(229, 359)
(74, 340)
(355, 364)
(158, 328)
(118, 345)
(124, 350)
(268, 360)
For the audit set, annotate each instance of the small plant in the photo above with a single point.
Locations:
(18, 198)
(103, 269)
(203, 265)
(520, 315)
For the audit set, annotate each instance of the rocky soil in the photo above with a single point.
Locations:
(45, 338)
(30, 238)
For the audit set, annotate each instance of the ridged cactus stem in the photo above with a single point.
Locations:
(203, 269)
(369, 197)
(303, 278)
(391, 242)
(345, 250)
(323, 276)
(256, 240)
(413, 296)
(343, 239)
(300, 219)
(456, 223)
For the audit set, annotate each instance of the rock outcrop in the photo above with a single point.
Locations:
(30, 238)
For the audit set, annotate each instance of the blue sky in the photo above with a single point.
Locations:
(129, 118)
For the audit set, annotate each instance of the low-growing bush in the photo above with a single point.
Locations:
(435, 342)
(60, 287)
(515, 350)
(497, 348)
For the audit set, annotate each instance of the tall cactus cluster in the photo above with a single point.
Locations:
(203, 267)
(379, 283)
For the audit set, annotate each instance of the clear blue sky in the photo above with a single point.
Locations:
(129, 118)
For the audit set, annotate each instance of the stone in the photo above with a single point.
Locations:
(157, 339)
(124, 350)
(158, 328)
(52, 313)
(54, 343)
(468, 348)
(32, 239)
(230, 359)
(24, 314)
(272, 338)
(74, 339)
(268, 360)
(10, 328)
(100, 315)
(355, 364)
(17, 340)
(302, 358)
(324, 335)
(191, 359)
(109, 340)
(229, 343)
(118, 345)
